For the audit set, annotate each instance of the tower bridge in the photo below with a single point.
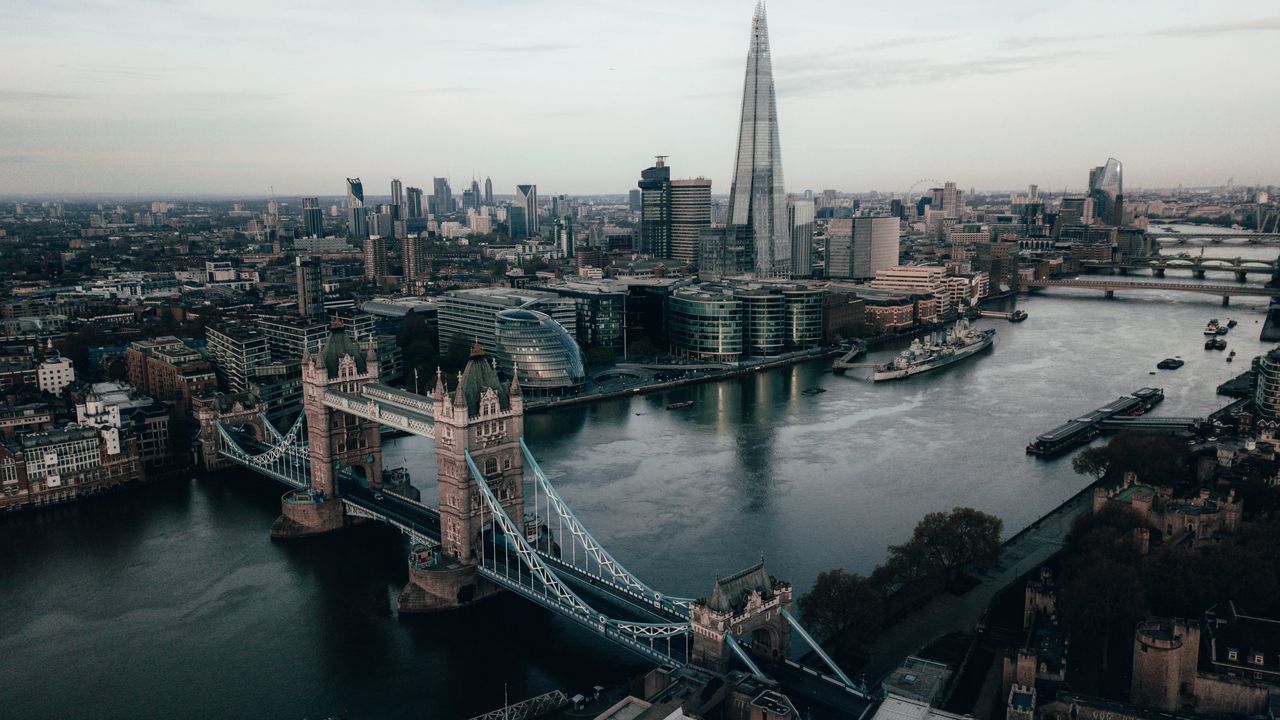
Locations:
(500, 525)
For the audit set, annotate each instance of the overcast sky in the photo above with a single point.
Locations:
(172, 96)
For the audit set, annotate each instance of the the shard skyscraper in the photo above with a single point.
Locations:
(757, 228)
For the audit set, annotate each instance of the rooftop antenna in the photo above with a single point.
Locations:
(660, 160)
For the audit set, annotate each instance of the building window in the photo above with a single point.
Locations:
(1232, 654)
(1257, 658)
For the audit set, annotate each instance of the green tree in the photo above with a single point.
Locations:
(842, 606)
(943, 544)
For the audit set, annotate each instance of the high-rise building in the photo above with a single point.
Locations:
(690, 214)
(801, 214)
(655, 209)
(312, 217)
(413, 252)
(1106, 188)
(375, 258)
(527, 197)
(633, 200)
(357, 218)
(397, 200)
(757, 199)
(307, 274)
(476, 197)
(413, 197)
(442, 198)
(858, 247)
(517, 223)
(488, 191)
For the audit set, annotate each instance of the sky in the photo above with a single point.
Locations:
(235, 97)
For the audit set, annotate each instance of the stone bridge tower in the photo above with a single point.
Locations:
(747, 605)
(336, 441)
(483, 417)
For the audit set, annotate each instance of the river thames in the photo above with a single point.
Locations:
(171, 601)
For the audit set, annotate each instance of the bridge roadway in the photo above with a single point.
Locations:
(1111, 285)
(426, 520)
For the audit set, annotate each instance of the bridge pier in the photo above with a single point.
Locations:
(1158, 272)
(303, 514)
(1226, 300)
(1241, 276)
(1109, 294)
(437, 583)
(1198, 273)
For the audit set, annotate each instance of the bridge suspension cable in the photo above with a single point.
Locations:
(545, 587)
(607, 568)
(286, 459)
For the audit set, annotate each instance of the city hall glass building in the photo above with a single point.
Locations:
(543, 355)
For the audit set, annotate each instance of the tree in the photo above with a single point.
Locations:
(1092, 461)
(1099, 594)
(943, 544)
(842, 606)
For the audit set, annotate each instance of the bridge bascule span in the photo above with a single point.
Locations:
(501, 524)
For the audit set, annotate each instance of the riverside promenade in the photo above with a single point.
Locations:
(949, 613)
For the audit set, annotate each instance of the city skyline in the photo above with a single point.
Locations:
(872, 101)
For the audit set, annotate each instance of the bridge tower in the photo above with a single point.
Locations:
(482, 417)
(336, 441)
(747, 605)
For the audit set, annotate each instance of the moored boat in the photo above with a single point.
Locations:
(935, 351)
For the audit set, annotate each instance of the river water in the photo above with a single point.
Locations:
(171, 601)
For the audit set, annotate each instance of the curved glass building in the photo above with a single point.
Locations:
(544, 354)
(705, 324)
(1267, 394)
(804, 315)
(763, 313)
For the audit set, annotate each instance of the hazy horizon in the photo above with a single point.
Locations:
(173, 98)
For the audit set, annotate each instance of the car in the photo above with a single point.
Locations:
(379, 496)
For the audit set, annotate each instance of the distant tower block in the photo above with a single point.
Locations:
(483, 417)
(747, 605)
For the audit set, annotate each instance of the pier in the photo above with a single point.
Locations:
(846, 361)
(1011, 316)
(1118, 414)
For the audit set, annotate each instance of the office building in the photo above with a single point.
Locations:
(543, 355)
(527, 198)
(1267, 393)
(858, 247)
(309, 279)
(517, 223)
(397, 200)
(1106, 189)
(601, 311)
(916, 279)
(488, 191)
(236, 350)
(413, 203)
(800, 220)
(705, 323)
(467, 316)
(288, 338)
(690, 215)
(312, 217)
(357, 217)
(167, 370)
(47, 468)
(54, 373)
(757, 198)
(442, 198)
(375, 258)
(476, 198)
(633, 200)
(655, 209)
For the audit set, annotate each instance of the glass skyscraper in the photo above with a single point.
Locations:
(1106, 187)
(757, 199)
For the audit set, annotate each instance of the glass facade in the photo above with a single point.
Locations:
(705, 324)
(1267, 394)
(757, 199)
(540, 350)
(763, 324)
(1106, 187)
(804, 314)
